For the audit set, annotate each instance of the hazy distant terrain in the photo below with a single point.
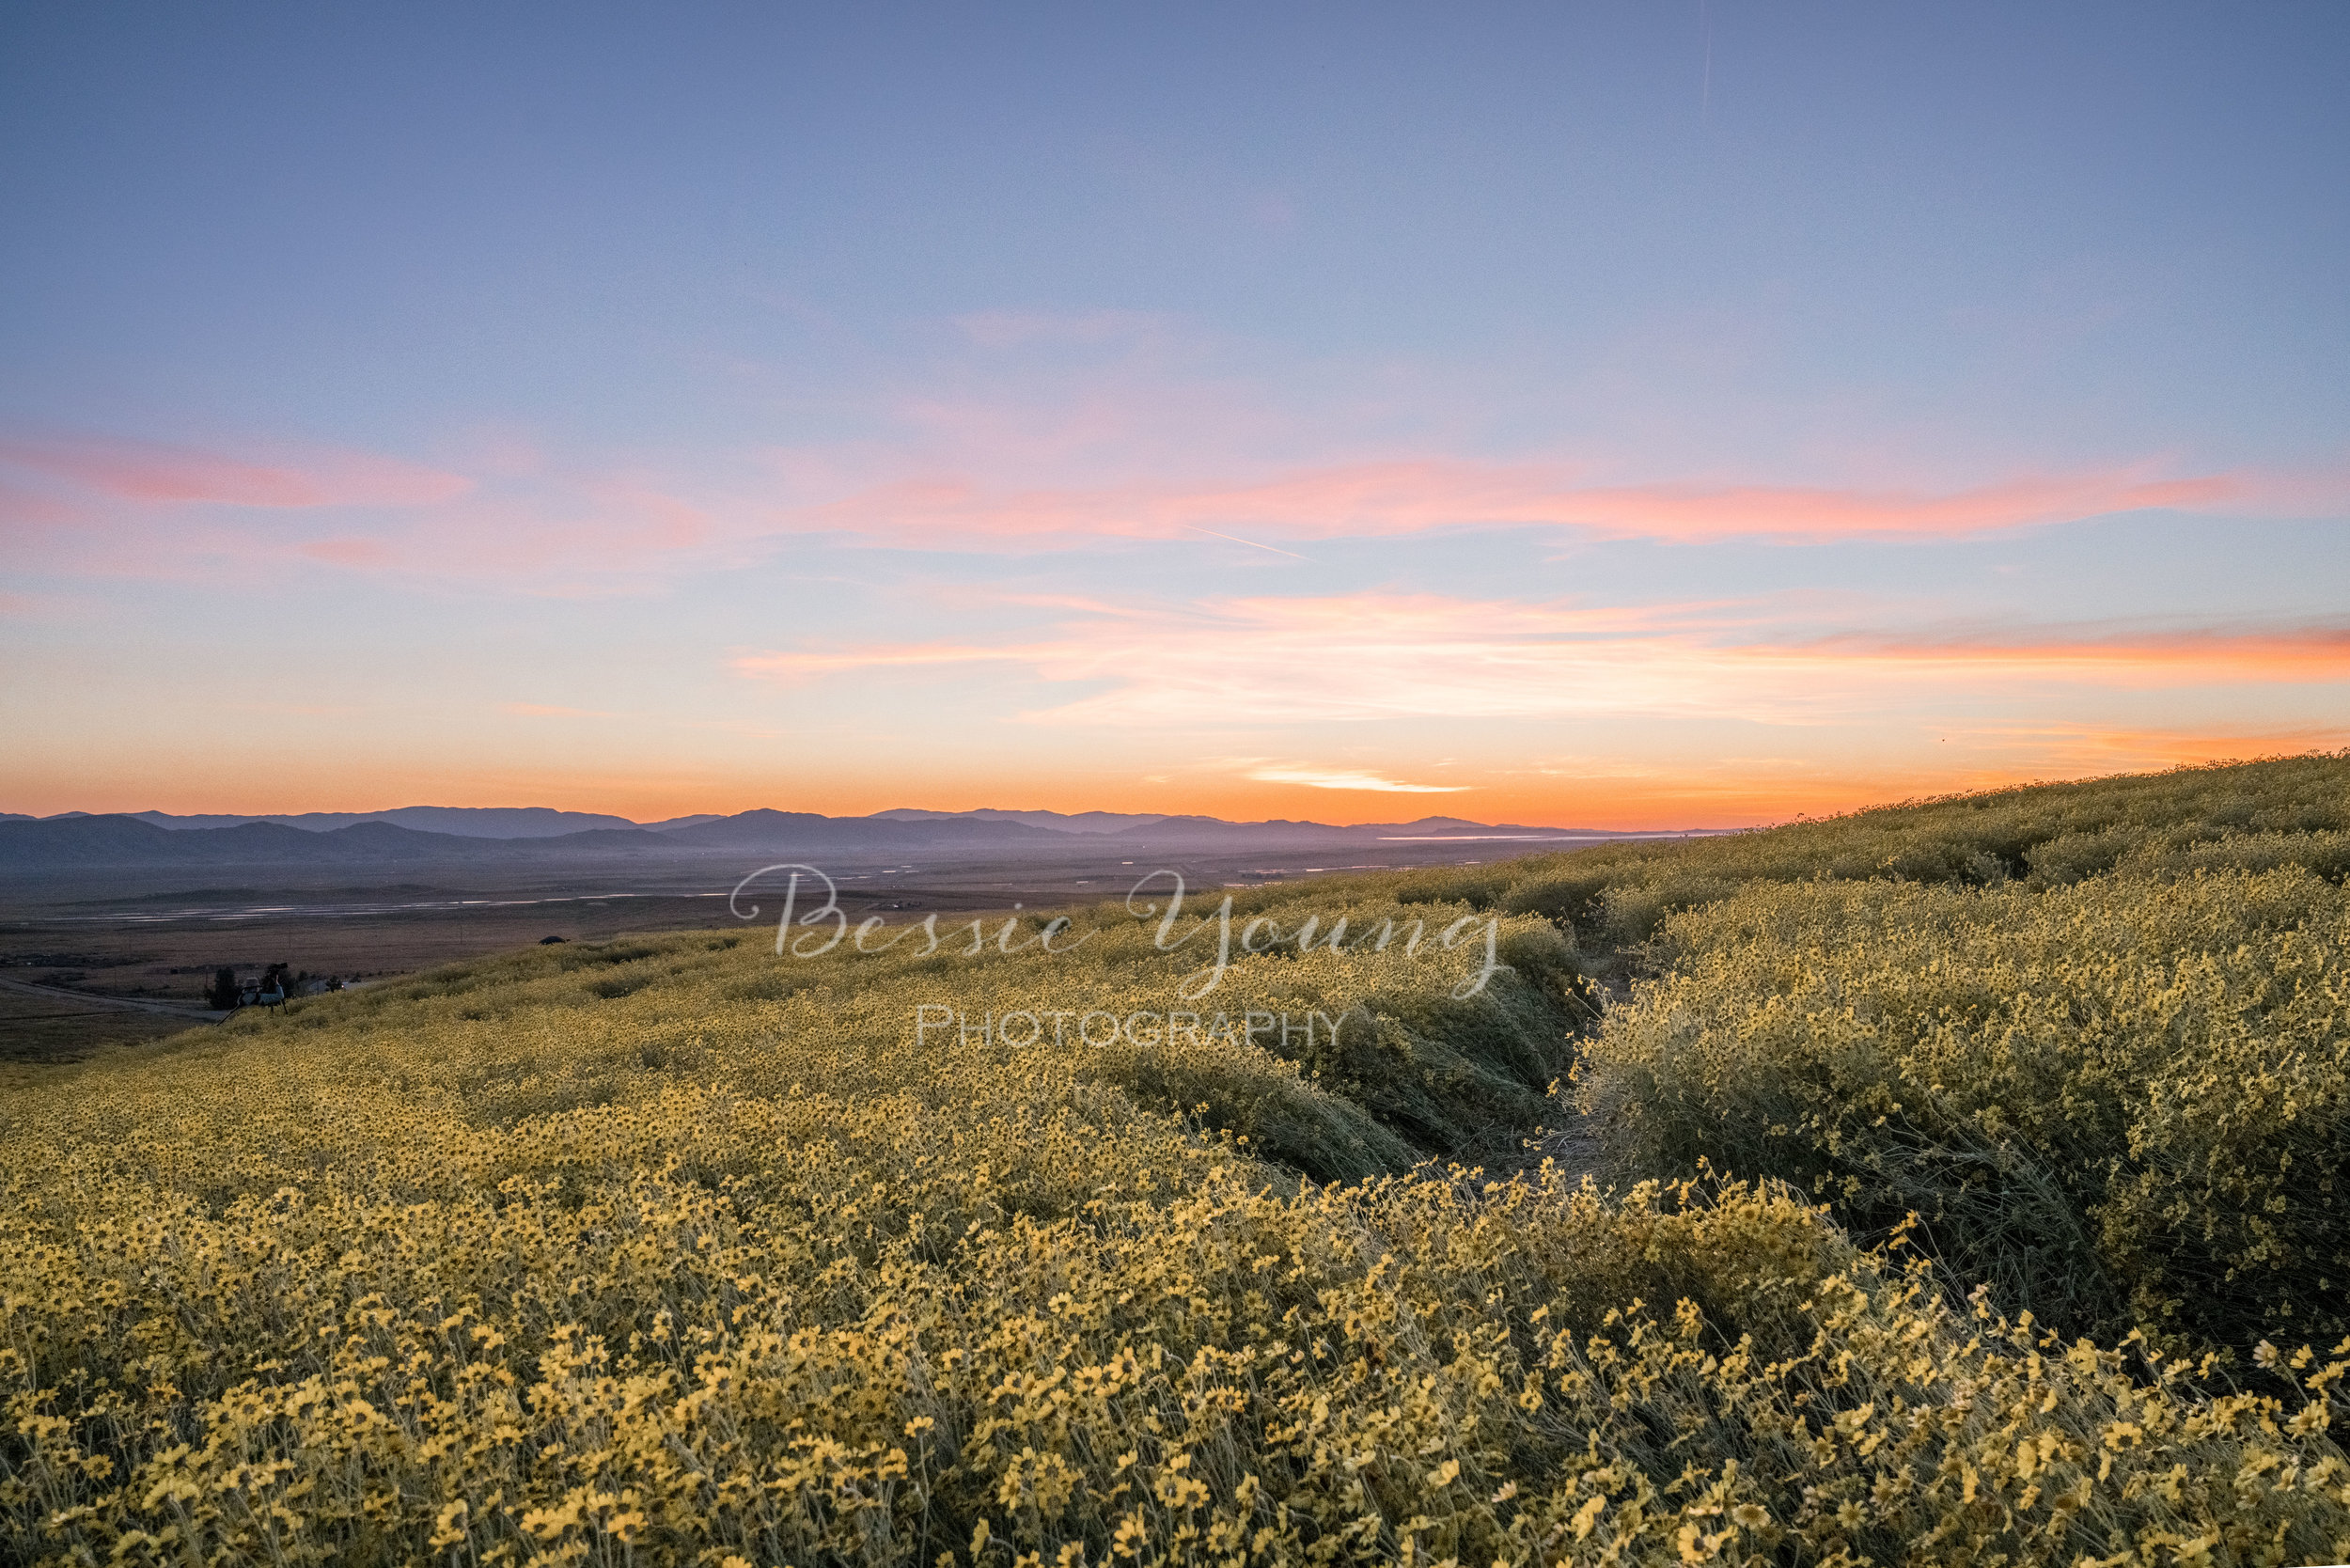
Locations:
(136, 906)
(423, 833)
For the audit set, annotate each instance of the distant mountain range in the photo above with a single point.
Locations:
(463, 822)
(523, 833)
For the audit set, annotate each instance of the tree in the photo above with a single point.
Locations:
(223, 996)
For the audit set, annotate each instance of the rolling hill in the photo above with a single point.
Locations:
(1137, 1247)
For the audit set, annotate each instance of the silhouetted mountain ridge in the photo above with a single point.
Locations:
(75, 840)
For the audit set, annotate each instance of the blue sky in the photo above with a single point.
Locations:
(1619, 413)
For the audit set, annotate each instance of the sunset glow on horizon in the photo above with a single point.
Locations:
(1623, 417)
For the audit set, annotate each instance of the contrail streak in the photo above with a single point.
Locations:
(1706, 92)
(1250, 542)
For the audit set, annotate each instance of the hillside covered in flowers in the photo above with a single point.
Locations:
(1969, 1187)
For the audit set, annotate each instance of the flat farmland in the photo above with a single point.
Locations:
(141, 935)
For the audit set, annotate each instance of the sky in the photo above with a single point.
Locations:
(1622, 415)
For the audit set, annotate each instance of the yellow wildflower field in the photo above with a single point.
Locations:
(684, 1250)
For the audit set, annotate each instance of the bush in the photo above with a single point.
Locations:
(2122, 1102)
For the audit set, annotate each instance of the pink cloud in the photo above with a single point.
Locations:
(347, 552)
(140, 509)
(1398, 498)
(158, 475)
(651, 519)
(27, 508)
(594, 537)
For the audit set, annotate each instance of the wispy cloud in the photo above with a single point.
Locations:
(2084, 748)
(1012, 329)
(96, 506)
(1271, 661)
(614, 533)
(19, 507)
(549, 709)
(2194, 654)
(349, 552)
(1349, 778)
(150, 472)
(141, 508)
(1387, 500)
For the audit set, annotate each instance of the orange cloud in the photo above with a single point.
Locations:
(159, 474)
(2167, 658)
(2089, 750)
(1384, 656)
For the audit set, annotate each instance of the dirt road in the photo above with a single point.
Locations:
(136, 1004)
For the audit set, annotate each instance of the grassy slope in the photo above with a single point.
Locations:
(680, 1251)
